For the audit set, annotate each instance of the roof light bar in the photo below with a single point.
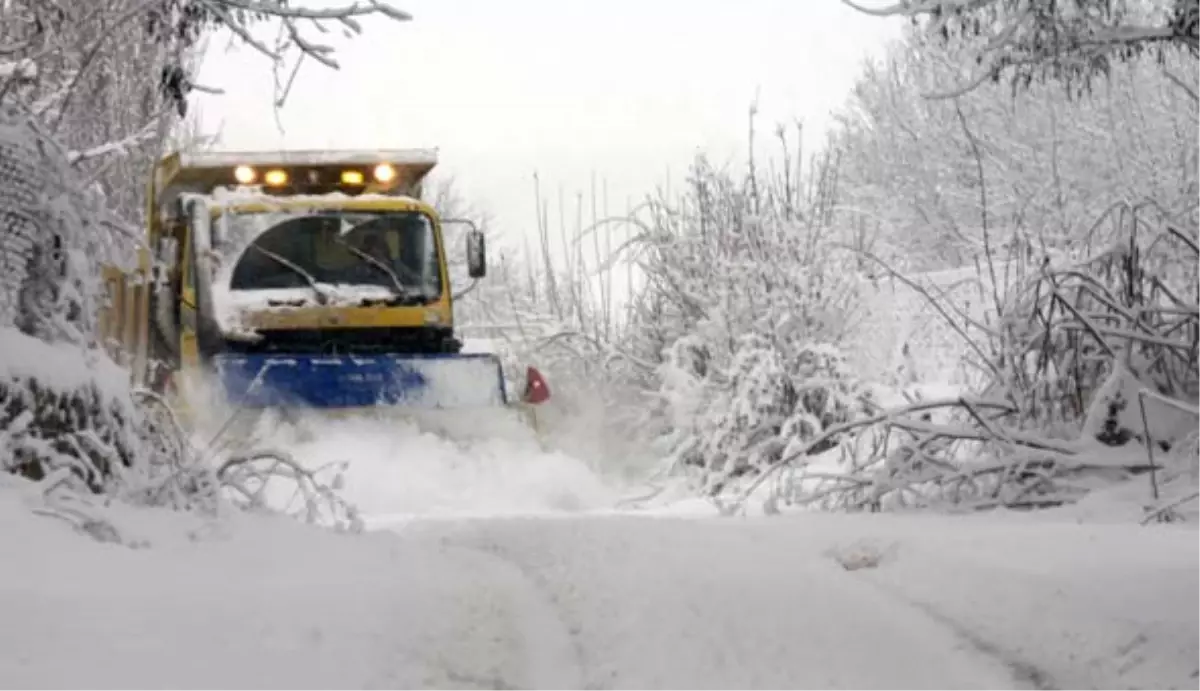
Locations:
(333, 157)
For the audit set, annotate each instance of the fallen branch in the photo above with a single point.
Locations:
(317, 497)
(838, 430)
(1161, 512)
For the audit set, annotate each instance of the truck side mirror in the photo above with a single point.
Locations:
(476, 254)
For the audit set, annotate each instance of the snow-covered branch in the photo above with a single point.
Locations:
(20, 71)
(120, 146)
(1071, 40)
(232, 14)
(283, 9)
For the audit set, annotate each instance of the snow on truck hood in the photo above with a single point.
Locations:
(232, 307)
(277, 298)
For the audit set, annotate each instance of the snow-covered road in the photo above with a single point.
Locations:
(769, 603)
(598, 602)
(506, 570)
(673, 604)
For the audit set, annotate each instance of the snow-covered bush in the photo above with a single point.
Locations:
(750, 307)
(48, 424)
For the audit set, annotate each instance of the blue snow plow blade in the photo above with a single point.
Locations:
(344, 381)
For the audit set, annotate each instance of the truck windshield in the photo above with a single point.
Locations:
(271, 250)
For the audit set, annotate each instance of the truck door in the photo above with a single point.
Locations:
(189, 355)
(196, 220)
(198, 318)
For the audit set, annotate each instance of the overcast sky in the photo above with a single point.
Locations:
(628, 90)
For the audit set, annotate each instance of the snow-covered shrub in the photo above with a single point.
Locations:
(1088, 378)
(45, 427)
(774, 400)
(1104, 349)
(749, 311)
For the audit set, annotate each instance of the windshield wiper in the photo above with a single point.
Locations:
(322, 296)
(399, 290)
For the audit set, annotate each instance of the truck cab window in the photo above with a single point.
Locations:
(282, 250)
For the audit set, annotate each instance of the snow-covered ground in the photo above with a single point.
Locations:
(576, 595)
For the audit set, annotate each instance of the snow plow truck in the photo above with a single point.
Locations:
(302, 280)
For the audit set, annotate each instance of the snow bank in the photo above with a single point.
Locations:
(67, 408)
(64, 367)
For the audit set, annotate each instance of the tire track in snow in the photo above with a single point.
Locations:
(550, 655)
(1025, 674)
(647, 606)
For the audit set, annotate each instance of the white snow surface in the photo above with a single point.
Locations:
(585, 599)
(61, 366)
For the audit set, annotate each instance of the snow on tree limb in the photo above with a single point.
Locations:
(20, 71)
(1069, 41)
(280, 8)
(228, 13)
(909, 8)
(118, 146)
